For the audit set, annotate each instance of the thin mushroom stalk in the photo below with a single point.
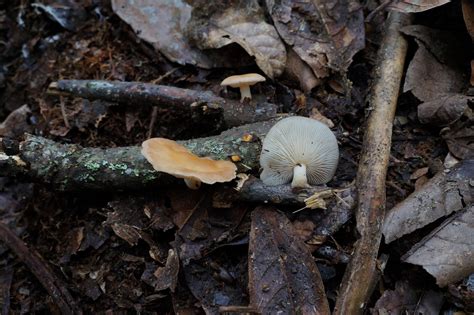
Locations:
(245, 92)
(192, 183)
(299, 176)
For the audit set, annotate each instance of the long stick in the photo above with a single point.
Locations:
(146, 94)
(361, 274)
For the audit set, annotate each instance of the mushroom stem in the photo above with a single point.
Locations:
(299, 176)
(192, 183)
(245, 92)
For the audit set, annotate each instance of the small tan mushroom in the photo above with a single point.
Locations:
(243, 82)
(168, 156)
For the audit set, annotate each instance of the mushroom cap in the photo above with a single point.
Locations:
(168, 156)
(243, 79)
(299, 140)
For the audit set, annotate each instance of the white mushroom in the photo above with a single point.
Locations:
(301, 150)
(243, 82)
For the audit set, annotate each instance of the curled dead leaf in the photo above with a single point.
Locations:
(460, 138)
(438, 63)
(16, 123)
(167, 276)
(445, 193)
(414, 6)
(161, 23)
(324, 34)
(443, 110)
(244, 24)
(448, 252)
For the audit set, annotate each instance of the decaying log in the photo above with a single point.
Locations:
(71, 167)
(361, 274)
(146, 94)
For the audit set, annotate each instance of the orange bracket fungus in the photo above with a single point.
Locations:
(168, 156)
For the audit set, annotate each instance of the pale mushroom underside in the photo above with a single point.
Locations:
(299, 140)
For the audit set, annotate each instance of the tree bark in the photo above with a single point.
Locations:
(72, 167)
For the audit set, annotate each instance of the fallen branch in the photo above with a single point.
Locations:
(361, 274)
(255, 190)
(72, 167)
(146, 94)
(55, 287)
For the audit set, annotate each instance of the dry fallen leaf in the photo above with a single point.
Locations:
(16, 123)
(167, 276)
(437, 63)
(401, 300)
(421, 181)
(444, 110)
(405, 299)
(70, 14)
(242, 23)
(445, 193)
(131, 118)
(460, 138)
(430, 302)
(297, 69)
(217, 280)
(413, 6)
(462, 293)
(419, 173)
(283, 276)
(161, 23)
(325, 34)
(316, 114)
(448, 252)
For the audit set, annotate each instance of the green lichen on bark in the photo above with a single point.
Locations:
(72, 167)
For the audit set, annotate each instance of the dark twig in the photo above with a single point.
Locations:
(6, 278)
(238, 309)
(63, 113)
(154, 113)
(255, 190)
(234, 113)
(361, 273)
(55, 286)
(377, 10)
